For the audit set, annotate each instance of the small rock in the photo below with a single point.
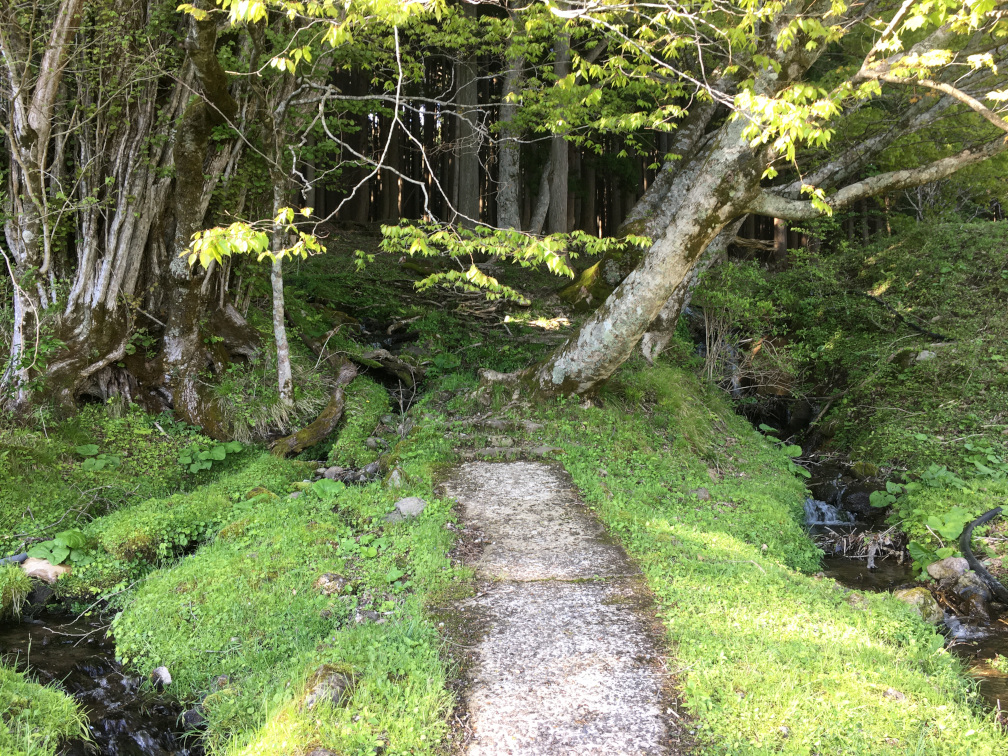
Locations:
(388, 420)
(295, 495)
(371, 442)
(926, 355)
(41, 569)
(970, 584)
(371, 471)
(331, 583)
(500, 441)
(531, 427)
(394, 517)
(784, 731)
(411, 506)
(327, 685)
(542, 451)
(701, 493)
(395, 478)
(160, 678)
(193, 719)
(496, 424)
(948, 568)
(334, 473)
(260, 491)
(322, 752)
(365, 615)
(923, 602)
(894, 694)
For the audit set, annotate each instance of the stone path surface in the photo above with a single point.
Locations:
(569, 662)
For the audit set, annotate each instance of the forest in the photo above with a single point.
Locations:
(415, 376)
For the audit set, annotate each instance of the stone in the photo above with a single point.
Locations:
(371, 442)
(322, 752)
(411, 506)
(160, 678)
(258, 491)
(531, 427)
(388, 420)
(371, 471)
(365, 615)
(926, 355)
(334, 473)
(544, 451)
(395, 478)
(331, 583)
(295, 495)
(701, 493)
(330, 685)
(894, 694)
(193, 719)
(970, 584)
(496, 424)
(500, 441)
(41, 569)
(949, 568)
(923, 603)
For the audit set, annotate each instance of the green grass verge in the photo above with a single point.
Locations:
(35, 720)
(15, 586)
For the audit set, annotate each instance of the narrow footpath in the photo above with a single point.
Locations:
(569, 658)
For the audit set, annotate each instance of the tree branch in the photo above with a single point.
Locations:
(772, 204)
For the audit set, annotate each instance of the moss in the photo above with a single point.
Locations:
(366, 403)
(15, 586)
(35, 719)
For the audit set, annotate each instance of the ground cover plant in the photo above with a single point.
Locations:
(900, 344)
(255, 584)
(36, 719)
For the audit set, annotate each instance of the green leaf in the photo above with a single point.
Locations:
(394, 574)
(88, 450)
(327, 489)
(72, 538)
(59, 554)
(233, 447)
(218, 453)
(41, 550)
(792, 450)
(185, 459)
(371, 552)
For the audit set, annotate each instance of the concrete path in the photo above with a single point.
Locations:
(568, 661)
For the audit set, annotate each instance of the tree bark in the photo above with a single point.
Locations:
(509, 151)
(557, 223)
(468, 144)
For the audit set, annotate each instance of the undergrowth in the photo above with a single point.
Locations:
(35, 720)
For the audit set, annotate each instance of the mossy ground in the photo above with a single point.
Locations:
(216, 577)
(34, 719)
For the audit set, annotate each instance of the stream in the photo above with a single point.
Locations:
(975, 643)
(125, 718)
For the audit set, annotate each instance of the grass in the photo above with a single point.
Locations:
(34, 719)
(15, 586)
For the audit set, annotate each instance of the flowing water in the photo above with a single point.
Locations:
(126, 719)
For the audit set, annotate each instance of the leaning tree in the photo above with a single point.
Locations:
(765, 107)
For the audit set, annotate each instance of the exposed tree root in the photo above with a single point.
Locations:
(324, 424)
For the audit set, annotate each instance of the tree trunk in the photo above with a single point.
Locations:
(509, 151)
(285, 381)
(710, 190)
(542, 200)
(468, 144)
(558, 150)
